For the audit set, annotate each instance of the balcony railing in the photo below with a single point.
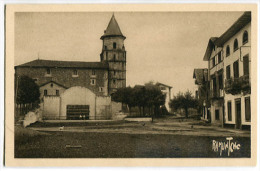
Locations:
(237, 85)
(216, 94)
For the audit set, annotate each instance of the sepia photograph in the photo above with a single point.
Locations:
(131, 84)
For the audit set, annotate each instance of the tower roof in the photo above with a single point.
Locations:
(113, 29)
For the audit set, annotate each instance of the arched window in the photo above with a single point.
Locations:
(245, 37)
(114, 45)
(235, 45)
(227, 51)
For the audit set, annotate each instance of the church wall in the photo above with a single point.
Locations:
(65, 77)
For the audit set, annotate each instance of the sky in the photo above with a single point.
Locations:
(161, 46)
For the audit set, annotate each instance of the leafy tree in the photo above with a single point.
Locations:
(27, 91)
(184, 101)
(141, 96)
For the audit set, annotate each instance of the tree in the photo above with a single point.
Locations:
(184, 101)
(27, 91)
(141, 96)
(125, 96)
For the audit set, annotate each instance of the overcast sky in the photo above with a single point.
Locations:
(161, 46)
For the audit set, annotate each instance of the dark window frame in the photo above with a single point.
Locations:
(48, 71)
(217, 118)
(236, 74)
(45, 92)
(248, 119)
(245, 37)
(246, 71)
(227, 51)
(75, 72)
(229, 110)
(114, 45)
(235, 45)
(219, 57)
(93, 72)
(93, 81)
(57, 92)
(228, 73)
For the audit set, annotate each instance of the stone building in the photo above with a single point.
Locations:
(96, 80)
(228, 59)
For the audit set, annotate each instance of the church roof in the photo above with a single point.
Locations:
(113, 29)
(65, 64)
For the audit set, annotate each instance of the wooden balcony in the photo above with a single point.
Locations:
(237, 85)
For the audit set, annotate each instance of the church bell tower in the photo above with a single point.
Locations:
(113, 52)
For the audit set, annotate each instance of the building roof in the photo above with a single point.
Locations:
(158, 84)
(53, 83)
(200, 75)
(210, 46)
(65, 64)
(236, 27)
(113, 29)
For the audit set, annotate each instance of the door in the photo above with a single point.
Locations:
(77, 112)
(238, 113)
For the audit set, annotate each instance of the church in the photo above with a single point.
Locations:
(75, 90)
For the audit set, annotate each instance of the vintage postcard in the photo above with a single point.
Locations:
(131, 85)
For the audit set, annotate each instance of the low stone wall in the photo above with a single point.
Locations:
(138, 119)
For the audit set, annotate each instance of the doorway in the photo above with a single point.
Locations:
(238, 113)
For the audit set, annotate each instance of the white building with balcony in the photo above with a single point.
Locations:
(236, 44)
(229, 73)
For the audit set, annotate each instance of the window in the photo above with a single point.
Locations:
(214, 82)
(48, 71)
(219, 57)
(247, 109)
(229, 107)
(93, 82)
(227, 51)
(100, 89)
(57, 92)
(213, 62)
(236, 69)
(216, 114)
(246, 65)
(93, 72)
(51, 85)
(245, 37)
(75, 72)
(228, 72)
(235, 45)
(114, 45)
(114, 57)
(220, 81)
(45, 93)
(105, 47)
